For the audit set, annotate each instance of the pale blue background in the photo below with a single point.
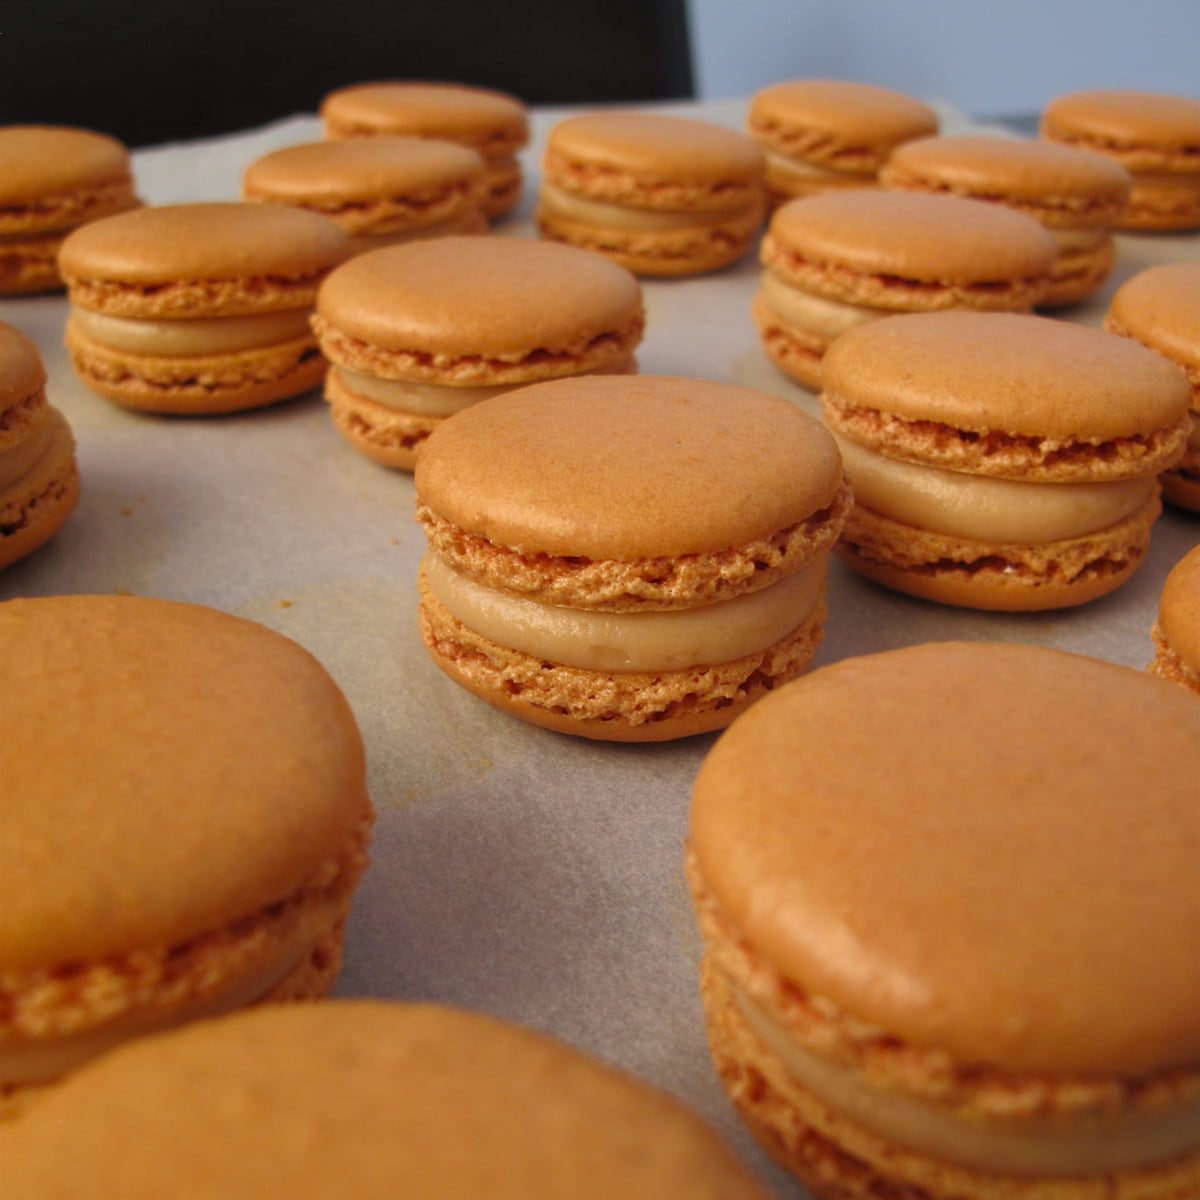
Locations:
(985, 57)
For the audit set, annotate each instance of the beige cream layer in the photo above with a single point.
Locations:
(18, 461)
(986, 509)
(798, 171)
(191, 336)
(815, 314)
(555, 202)
(659, 641)
(1078, 239)
(1049, 1146)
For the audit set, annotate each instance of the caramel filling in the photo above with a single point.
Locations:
(433, 399)
(1053, 1145)
(470, 221)
(555, 202)
(986, 509)
(658, 641)
(1078, 240)
(781, 170)
(36, 1062)
(815, 314)
(191, 336)
(18, 461)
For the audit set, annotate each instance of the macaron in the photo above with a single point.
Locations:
(835, 261)
(198, 308)
(364, 1099)
(185, 820)
(1077, 195)
(1160, 307)
(948, 897)
(1176, 632)
(831, 134)
(661, 195)
(493, 123)
(1155, 136)
(630, 559)
(419, 332)
(1000, 460)
(39, 477)
(380, 190)
(55, 179)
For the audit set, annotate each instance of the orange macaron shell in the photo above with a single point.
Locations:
(186, 796)
(1176, 631)
(593, 498)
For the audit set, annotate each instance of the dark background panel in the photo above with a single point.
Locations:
(153, 72)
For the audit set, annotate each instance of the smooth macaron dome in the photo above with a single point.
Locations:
(493, 123)
(827, 134)
(1154, 135)
(962, 964)
(364, 1099)
(661, 195)
(1077, 195)
(185, 817)
(628, 559)
(380, 190)
(39, 477)
(1001, 460)
(416, 333)
(1176, 632)
(832, 262)
(55, 178)
(199, 308)
(1160, 307)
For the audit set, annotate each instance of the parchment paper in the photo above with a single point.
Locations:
(517, 871)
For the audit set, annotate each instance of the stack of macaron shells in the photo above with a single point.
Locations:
(419, 332)
(977, 979)
(199, 308)
(1154, 135)
(662, 195)
(39, 476)
(1001, 460)
(1176, 632)
(1079, 196)
(55, 179)
(186, 819)
(835, 261)
(1160, 307)
(493, 123)
(365, 1100)
(627, 560)
(380, 190)
(831, 134)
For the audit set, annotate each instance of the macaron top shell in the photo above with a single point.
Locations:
(1160, 306)
(988, 849)
(1179, 609)
(628, 467)
(1143, 129)
(367, 1100)
(41, 160)
(363, 169)
(1007, 372)
(925, 238)
(167, 768)
(494, 296)
(22, 373)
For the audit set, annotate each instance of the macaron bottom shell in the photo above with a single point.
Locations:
(29, 264)
(35, 507)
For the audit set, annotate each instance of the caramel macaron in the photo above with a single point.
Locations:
(1155, 136)
(54, 179)
(661, 195)
(380, 190)
(830, 134)
(1176, 632)
(493, 123)
(951, 955)
(185, 819)
(1160, 307)
(835, 261)
(417, 333)
(1077, 195)
(39, 477)
(999, 460)
(199, 308)
(627, 559)
(364, 1100)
